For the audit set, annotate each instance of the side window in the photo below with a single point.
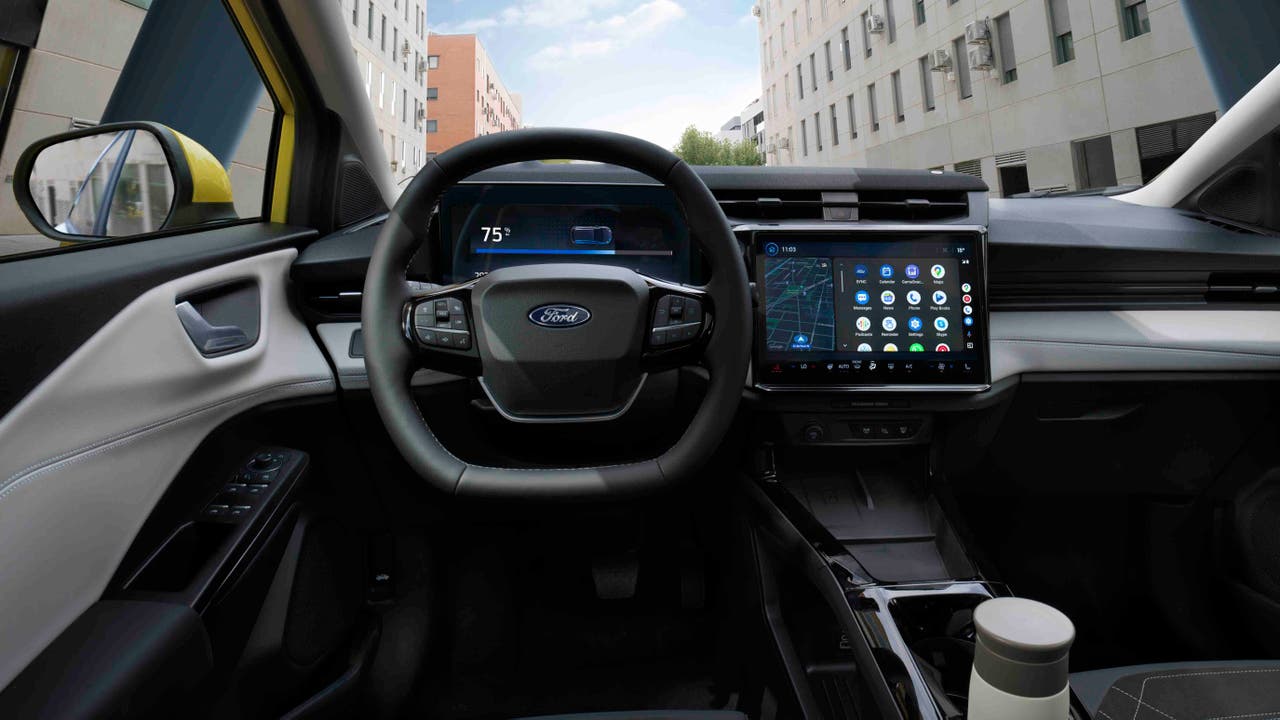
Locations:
(142, 66)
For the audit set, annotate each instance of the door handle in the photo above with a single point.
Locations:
(210, 340)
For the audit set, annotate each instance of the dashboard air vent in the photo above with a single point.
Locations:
(891, 205)
(913, 206)
(771, 204)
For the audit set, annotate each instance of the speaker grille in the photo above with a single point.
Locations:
(358, 196)
(1236, 197)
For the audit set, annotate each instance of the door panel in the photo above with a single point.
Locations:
(89, 451)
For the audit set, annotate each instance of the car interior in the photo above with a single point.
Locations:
(625, 437)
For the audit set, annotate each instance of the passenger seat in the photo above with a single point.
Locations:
(1240, 689)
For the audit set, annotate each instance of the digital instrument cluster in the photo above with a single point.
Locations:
(486, 227)
(870, 309)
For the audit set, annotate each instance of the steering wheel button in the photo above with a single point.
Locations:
(692, 310)
(458, 322)
(455, 306)
(428, 337)
(462, 341)
(445, 339)
(658, 337)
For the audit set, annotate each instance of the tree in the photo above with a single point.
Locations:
(699, 147)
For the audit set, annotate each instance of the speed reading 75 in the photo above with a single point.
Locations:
(495, 233)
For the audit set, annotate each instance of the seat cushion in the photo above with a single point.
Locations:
(649, 715)
(1244, 689)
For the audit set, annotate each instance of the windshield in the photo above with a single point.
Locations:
(1039, 98)
(1036, 97)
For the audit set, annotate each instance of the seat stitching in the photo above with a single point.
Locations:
(1229, 717)
(1143, 690)
(1141, 703)
(1104, 714)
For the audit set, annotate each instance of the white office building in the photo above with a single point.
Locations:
(390, 42)
(1028, 94)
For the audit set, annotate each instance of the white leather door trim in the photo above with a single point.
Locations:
(87, 454)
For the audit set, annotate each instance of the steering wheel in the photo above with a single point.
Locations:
(555, 342)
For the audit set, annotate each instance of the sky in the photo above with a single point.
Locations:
(647, 68)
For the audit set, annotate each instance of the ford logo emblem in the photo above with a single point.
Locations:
(559, 316)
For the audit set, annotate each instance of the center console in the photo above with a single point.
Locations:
(871, 309)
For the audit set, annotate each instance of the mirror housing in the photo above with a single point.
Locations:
(120, 180)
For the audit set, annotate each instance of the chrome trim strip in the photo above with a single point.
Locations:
(863, 226)
(564, 418)
(873, 388)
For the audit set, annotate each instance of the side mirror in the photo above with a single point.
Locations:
(120, 180)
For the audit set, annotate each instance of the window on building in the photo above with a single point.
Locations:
(1004, 50)
(795, 29)
(800, 79)
(431, 126)
(1133, 14)
(895, 85)
(1095, 164)
(369, 25)
(1159, 145)
(433, 93)
(804, 139)
(892, 29)
(926, 85)
(355, 14)
(404, 105)
(871, 107)
(808, 16)
(395, 42)
(382, 34)
(853, 118)
(959, 60)
(1013, 180)
(826, 51)
(848, 51)
(866, 35)
(433, 62)
(817, 130)
(782, 37)
(919, 12)
(395, 96)
(1064, 47)
(382, 90)
(786, 86)
(835, 126)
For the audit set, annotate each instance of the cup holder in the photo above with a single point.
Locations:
(938, 628)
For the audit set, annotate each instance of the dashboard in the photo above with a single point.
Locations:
(839, 307)
(1069, 284)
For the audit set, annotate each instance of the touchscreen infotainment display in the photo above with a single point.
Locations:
(870, 308)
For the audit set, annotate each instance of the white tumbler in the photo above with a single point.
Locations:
(1020, 662)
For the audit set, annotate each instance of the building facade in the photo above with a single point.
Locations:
(1028, 94)
(466, 97)
(389, 38)
(753, 127)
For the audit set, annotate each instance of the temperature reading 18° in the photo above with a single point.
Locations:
(495, 234)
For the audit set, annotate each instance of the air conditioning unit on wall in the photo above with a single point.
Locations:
(875, 24)
(978, 32)
(940, 60)
(981, 58)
